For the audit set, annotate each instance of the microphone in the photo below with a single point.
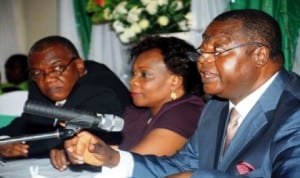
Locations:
(56, 134)
(76, 118)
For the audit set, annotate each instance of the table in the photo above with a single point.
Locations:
(41, 168)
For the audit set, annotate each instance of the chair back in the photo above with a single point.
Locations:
(11, 106)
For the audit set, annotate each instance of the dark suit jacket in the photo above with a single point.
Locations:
(267, 144)
(99, 91)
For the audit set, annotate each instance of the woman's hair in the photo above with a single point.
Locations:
(174, 54)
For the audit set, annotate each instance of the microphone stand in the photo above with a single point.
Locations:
(56, 134)
(59, 134)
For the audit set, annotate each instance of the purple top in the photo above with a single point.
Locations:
(180, 116)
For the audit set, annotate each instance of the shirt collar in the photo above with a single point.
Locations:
(60, 103)
(245, 105)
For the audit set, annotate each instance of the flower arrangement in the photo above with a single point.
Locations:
(133, 19)
(101, 10)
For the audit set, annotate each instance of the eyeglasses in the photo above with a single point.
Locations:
(195, 56)
(38, 75)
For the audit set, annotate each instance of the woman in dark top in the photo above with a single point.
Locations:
(166, 90)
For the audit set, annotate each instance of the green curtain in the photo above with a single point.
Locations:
(83, 24)
(287, 13)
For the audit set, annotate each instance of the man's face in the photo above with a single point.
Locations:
(232, 74)
(55, 71)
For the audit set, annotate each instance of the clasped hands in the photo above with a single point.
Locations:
(88, 148)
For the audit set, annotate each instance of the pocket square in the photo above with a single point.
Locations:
(244, 168)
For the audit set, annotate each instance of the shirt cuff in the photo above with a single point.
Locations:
(4, 137)
(123, 170)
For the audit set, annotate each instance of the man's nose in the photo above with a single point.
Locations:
(207, 57)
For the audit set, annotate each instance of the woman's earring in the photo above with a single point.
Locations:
(173, 95)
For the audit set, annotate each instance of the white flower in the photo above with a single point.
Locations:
(107, 14)
(121, 8)
(178, 5)
(152, 7)
(136, 28)
(133, 14)
(144, 24)
(188, 18)
(163, 20)
(118, 26)
(144, 15)
(163, 2)
(145, 2)
(183, 25)
(126, 36)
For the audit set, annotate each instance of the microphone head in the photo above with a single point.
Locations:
(110, 122)
(81, 119)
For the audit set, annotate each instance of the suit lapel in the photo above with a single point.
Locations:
(209, 142)
(246, 134)
(257, 120)
(77, 96)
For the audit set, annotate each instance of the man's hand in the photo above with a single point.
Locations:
(14, 150)
(87, 148)
(59, 159)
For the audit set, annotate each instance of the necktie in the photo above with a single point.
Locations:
(232, 127)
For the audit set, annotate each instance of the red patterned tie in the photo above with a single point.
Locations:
(232, 126)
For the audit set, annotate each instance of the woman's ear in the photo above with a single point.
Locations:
(261, 56)
(177, 81)
(80, 66)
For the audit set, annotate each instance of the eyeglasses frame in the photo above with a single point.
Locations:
(60, 72)
(194, 56)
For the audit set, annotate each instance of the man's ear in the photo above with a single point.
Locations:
(80, 66)
(261, 56)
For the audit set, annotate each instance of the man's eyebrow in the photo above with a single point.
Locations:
(220, 37)
(53, 62)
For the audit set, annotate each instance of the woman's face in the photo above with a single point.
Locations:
(151, 82)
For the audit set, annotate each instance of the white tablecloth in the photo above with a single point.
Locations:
(38, 168)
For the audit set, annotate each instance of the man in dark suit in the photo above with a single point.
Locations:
(241, 64)
(60, 77)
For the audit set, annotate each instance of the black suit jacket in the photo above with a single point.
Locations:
(99, 91)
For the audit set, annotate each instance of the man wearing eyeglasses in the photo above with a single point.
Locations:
(60, 77)
(249, 128)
